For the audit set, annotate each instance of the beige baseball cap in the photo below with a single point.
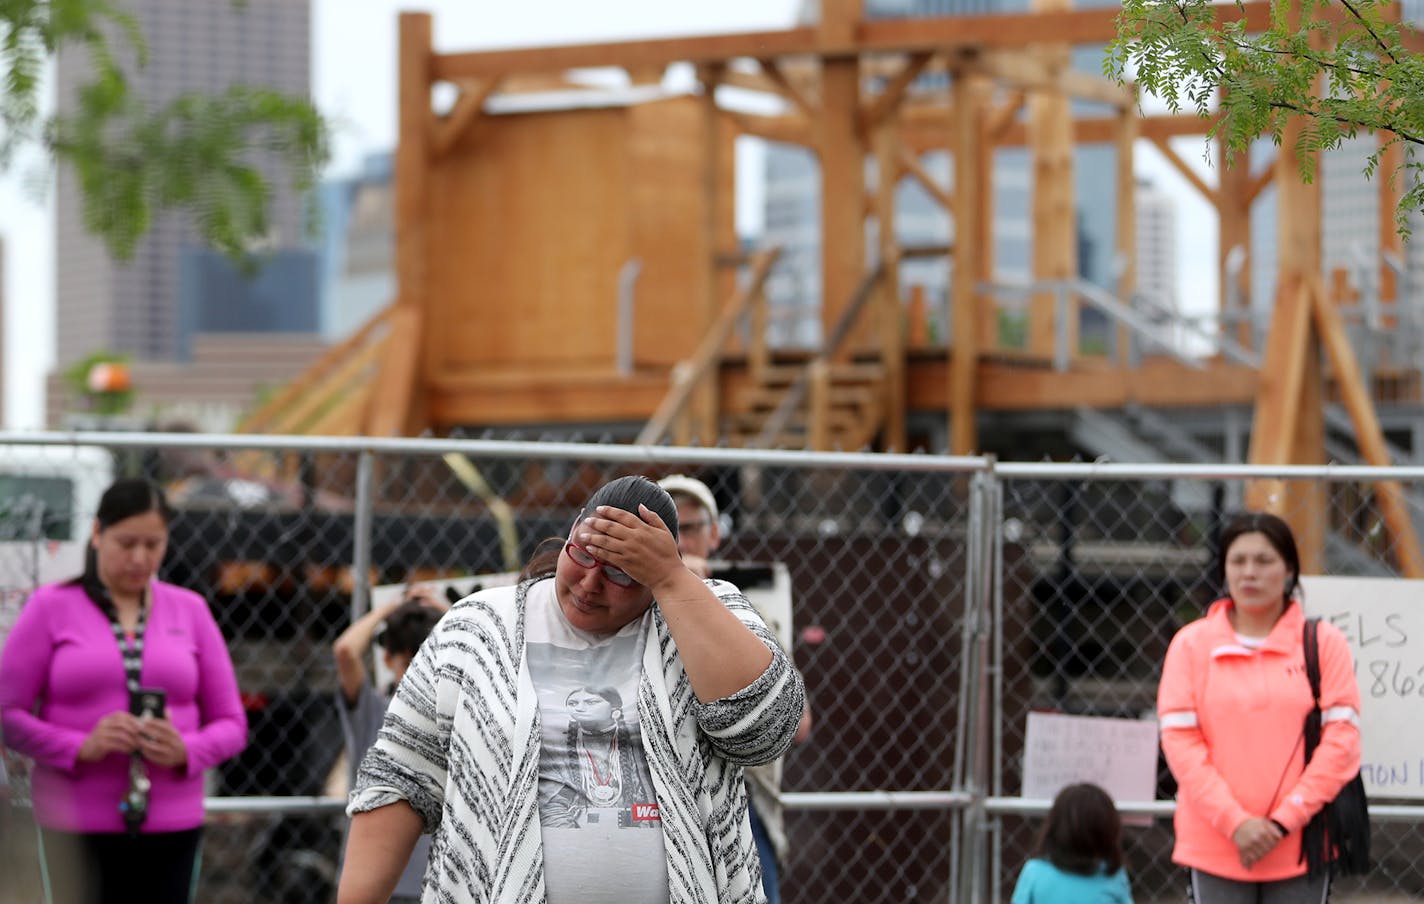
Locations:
(691, 486)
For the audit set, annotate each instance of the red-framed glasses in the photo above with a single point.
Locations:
(584, 559)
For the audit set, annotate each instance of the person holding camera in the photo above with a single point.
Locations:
(398, 628)
(120, 688)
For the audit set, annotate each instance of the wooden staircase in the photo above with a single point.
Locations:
(779, 409)
(823, 400)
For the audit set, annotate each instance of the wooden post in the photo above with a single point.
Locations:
(1055, 232)
(967, 92)
(891, 330)
(706, 404)
(842, 155)
(1126, 213)
(1289, 423)
(1387, 177)
(413, 160)
(988, 314)
(1389, 495)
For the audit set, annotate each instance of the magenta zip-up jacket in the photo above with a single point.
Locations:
(61, 671)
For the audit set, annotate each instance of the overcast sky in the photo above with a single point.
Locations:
(354, 84)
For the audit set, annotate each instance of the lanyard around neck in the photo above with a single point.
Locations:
(130, 647)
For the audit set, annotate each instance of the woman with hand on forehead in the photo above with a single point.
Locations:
(646, 805)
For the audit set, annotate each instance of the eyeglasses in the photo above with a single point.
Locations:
(584, 559)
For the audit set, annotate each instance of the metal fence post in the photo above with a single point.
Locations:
(361, 534)
(975, 714)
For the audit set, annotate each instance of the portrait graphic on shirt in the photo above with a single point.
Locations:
(592, 771)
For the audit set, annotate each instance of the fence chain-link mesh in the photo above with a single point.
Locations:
(1099, 574)
(1093, 578)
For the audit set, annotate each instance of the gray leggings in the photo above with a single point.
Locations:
(1209, 889)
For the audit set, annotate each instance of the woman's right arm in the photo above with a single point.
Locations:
(377, 850)
(1188, 755)
(24, 677)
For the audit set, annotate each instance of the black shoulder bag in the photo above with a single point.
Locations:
(1338, 837)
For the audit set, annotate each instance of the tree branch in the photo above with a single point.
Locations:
(1378, 40)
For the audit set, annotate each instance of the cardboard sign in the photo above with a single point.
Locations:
(1383, 618)
(1118, 755)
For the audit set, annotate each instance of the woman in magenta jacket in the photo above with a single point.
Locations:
(119, 797)
(1232, 707)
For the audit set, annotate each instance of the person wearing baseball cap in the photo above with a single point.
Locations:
(699, 535)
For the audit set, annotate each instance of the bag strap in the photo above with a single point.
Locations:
(1312, 728)
(1312, 657)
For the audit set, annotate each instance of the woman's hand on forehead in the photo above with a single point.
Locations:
(640, 545)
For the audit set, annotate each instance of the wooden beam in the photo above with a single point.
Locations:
(391, 406)
(1369, 437)
(706, 398)
(263, 419)
(353, 371)
(1186, 171)
(890, 322)
(1075, 26)
(997, 122)
(1387, 177)
(686, 376)
(842, 189)
(1055, 234)
(412, 176)
(787, 129)
(1158, 382)
(964, 273)
(1126, 219)
(987, 316)
(890, 97)
(1026, 70)
(924, 128)
(836, 28)
(910, 162)
(467, 108)
(1282, 377)
(1256, 185)
(783, 85)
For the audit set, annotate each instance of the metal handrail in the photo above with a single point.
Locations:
(1114, 307)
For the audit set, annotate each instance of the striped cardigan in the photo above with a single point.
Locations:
(460, 744)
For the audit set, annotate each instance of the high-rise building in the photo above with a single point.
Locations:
(135, 307)
(358, 246)
(1156, 248)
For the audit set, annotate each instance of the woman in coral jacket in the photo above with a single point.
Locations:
(1232, 707)
(118, 795)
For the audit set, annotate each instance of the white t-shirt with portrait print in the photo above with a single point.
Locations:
(598, 814)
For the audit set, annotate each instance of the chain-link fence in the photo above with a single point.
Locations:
(936, 601)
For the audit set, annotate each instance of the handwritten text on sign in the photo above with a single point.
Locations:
(1120, 755)
(1383, 618)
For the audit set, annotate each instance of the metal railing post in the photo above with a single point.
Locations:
(361, 534)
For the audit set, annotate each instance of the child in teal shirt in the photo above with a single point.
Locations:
(1079, 853)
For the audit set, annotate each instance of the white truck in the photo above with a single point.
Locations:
(48, 496)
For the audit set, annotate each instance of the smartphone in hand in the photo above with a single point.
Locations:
(148, 701)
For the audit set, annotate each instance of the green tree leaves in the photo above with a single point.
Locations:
(198, 154)
(1342, 64)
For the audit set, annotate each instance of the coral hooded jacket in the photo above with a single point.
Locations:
(1232, 722)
